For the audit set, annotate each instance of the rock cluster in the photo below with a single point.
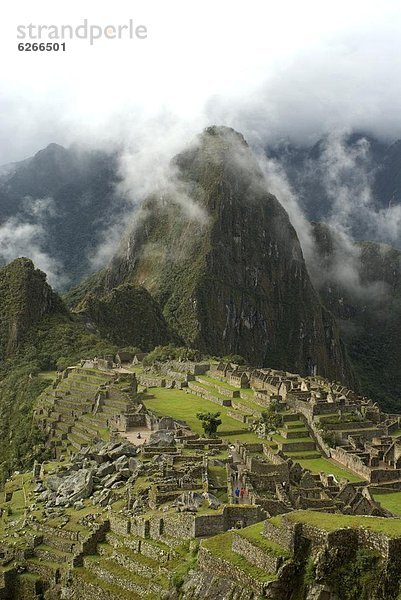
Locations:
(93, 473)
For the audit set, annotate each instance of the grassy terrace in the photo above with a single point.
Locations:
(332, 522)
(281, 440)
(184, 407)
(214, 382)
(325, 465)
(390, 500)
(47, 375)
(253, 534)
(220, 546)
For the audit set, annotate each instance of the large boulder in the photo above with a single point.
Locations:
(106, 468)
(123, 449)
(77, 486)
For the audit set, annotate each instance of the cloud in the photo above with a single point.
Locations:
(24, 236)
(273, 71)
(345, 177)
(270, 70)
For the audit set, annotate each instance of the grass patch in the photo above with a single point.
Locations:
(281, 440)
(217, 382)
(316, 465)
(390, 500)
(220, 546)
(332, 522)
(217, 476)
(183, 406)
(254, 534)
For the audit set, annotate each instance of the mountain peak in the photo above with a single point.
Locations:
(222, 131)
(52, 149)
(25, 297)
(234, 282)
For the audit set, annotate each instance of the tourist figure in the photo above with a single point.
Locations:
(237, 493)
(138, 437)
(242, 494)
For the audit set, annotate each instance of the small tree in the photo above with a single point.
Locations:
(210, 422)
(272, 420)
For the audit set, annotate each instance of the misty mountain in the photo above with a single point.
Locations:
(362, 288)
(59, 201)
(226, 265)
(352, 180)
(58, 206)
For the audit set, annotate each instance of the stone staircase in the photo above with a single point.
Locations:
(293, 435)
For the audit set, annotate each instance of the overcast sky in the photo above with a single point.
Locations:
(269, 68)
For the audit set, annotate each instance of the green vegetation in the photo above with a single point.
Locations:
(37, 335)
(210, 422)
(325, 465)
(390, 500)
(171, 352)
(220, 546)
(20, 440)
(217, 476)
(184, 407)
(356, 579)
(272, 420)
(332, 522)
(254, 533)
(127, 315)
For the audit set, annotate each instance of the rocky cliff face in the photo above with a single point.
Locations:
(25, 297)
(362, 288)
(220, 255)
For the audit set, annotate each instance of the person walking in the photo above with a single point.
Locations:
(237, 493)
(242, 494)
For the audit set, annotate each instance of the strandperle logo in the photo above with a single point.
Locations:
(84, 31)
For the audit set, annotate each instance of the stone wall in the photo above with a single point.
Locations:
(89, 546)
(222, 568)
(255, 555)
(272, 455)
(279, 470)
(206, 525)
(351, 461)
(121, 524)
(286, 534)
(202, 393)
(151, 380)
(179, 525)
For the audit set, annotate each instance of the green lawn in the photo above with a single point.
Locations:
(390, 500)
(254, 534)
(183, 406)
(47, 375)
(217, 476)
(222, 384)
(281, 440)
(332, 522)
(247, 438)
(254, 408)
(316, 465)
(180, 405)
